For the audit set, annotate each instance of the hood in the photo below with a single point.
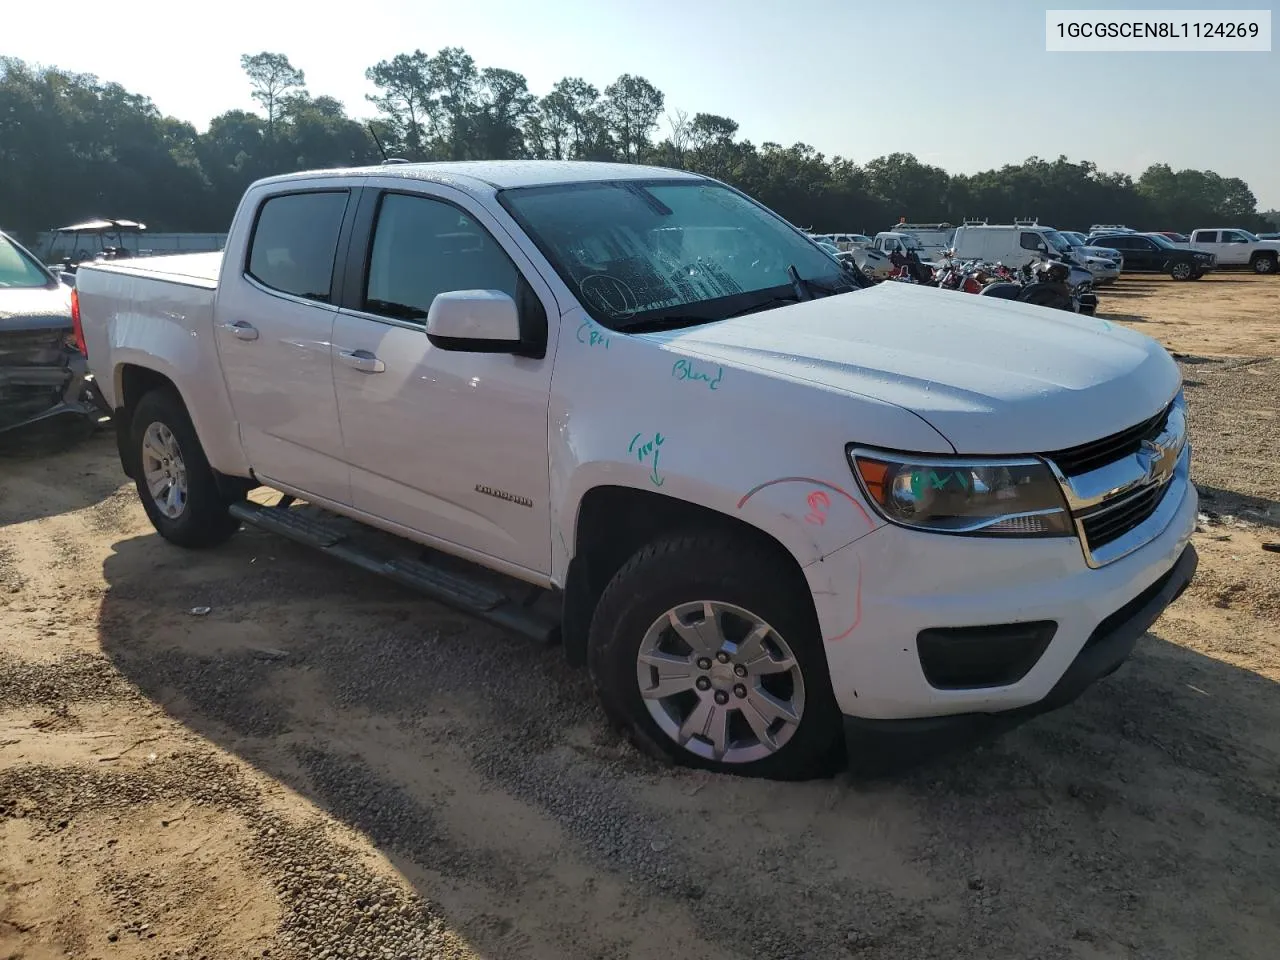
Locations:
(35, 309)
(992, 376)
(1106, 253)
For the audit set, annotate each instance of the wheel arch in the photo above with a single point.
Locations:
(134, 381)
(613, 522)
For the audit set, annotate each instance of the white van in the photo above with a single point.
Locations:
(1013, 245)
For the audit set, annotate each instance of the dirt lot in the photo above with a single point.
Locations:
(325, 766)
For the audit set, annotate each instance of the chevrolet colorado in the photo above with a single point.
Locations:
(775, 509)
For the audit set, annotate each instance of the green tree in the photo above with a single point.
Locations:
(406, 99)
(273, 78)
(632, 106)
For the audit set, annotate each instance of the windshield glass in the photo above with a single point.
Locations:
(635, 251)
(1162, 241)
(17, 269)
(1073, 239)
(1057, 241)
(1252, 238)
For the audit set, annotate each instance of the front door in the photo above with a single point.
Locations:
(449, 444)
(275, 324)
(1233, 248)
(1140, 253)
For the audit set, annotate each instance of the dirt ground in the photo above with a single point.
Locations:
(324, 766)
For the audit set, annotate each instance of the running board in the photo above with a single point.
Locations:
(453, 588)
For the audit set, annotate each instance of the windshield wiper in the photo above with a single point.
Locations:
(763, 305)
(667, 321)
(799, 285)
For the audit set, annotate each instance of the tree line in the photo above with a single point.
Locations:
(73, 146)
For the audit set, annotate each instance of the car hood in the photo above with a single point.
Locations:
(1106, 253)
(38, 309)
(992, 376)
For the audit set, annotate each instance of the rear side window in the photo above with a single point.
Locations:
(423, 247)
(295, 242)
(1206, 236)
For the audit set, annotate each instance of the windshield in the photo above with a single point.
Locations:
(1252, 238)
(1073, 239)
(687, 250)
(17, 269)
(1162, 241)
(1057, 241)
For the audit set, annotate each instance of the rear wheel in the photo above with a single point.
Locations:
(1182, 271)
(1264, 263)
(706, 657)
(174, 480)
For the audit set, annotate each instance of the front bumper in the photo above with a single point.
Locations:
(876, 596)
(32, 394)
(877, 746)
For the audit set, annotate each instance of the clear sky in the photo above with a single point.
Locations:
(964, 85)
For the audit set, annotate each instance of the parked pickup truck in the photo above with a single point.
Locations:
(630, 409)
(1238, 248)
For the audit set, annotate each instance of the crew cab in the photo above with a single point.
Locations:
(1156, 253)
(772, 507)
(1234, 248)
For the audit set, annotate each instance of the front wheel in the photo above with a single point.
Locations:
(706, 657)
(174, 480)
(1264, 264)
(1182, 271)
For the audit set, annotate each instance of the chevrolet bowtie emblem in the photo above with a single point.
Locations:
(1159, 460)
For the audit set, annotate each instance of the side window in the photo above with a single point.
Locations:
(1030, 241)
(423, 247)
(295, 241)
(1206, 236)
(1233, 236)
(1143, 243)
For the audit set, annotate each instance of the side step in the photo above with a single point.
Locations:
(451, 587)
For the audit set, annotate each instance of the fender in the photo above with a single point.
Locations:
(641, 411)
(169, 332)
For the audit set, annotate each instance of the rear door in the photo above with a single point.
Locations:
(275, 319)
(449, 444)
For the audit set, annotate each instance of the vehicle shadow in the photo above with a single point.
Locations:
(43, 459)
(1142, 817)
(1217, 500)
(1122, 317)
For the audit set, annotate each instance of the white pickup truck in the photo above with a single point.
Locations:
(1237, 248)
(774, 508)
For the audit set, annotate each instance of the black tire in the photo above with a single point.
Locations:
(684, 569)
(1263, 263)
(1182, 271)
(204, 520)
(1198, 275)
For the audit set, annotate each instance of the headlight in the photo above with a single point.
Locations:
(1013, 497)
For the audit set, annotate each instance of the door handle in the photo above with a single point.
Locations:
(362, 360)
(242, 330)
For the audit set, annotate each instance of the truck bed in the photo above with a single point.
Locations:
(191, 269)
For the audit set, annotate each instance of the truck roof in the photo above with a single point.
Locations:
(488, 175)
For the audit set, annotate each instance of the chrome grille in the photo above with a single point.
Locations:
(1116, 487)
(1119, 516)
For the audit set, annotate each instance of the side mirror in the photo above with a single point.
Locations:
(1042, 248)
(474, 321)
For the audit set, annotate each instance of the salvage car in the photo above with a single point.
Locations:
(771, 506)
(42, 370)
